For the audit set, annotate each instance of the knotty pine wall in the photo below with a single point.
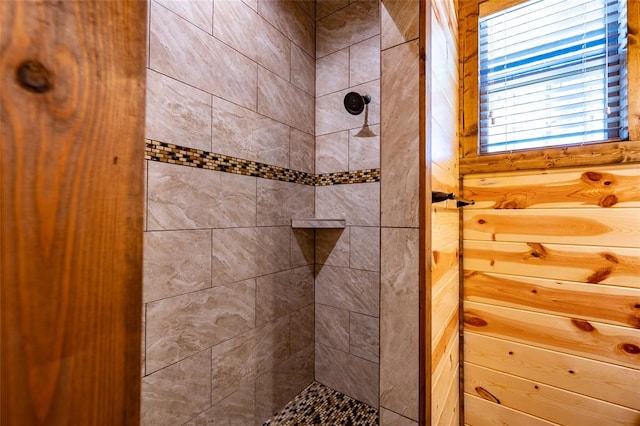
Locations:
(445, 278)
(552, 297)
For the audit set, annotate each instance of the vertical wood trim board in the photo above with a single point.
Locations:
(72, 122)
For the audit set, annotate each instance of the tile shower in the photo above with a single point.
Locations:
(246, 130)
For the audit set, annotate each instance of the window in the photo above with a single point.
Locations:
(552, 72)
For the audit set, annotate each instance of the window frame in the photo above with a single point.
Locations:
(471, 161)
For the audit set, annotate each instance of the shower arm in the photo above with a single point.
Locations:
(438, 196)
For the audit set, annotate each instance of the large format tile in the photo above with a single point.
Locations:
(284, 102)
(183, 325)
(242, 133)
(177, 393)
(332, 152)
(364, 339)
(359, 204)
(279, 202)
(176, 262)
(353, 376)
(199, 13)
(399, 21)
(302, 247)
(301, 151)
(364, 61)
(302, 328)
(241, 253)
(332, 72)
(364, 148)
(277, 387)
(187, 53)
(240, 27)
(240, 359)
(332, 327)
(189, 198)
(292, 20)
(281, 293)
(235, 410)
(332, 247)
(389, 418)
(303, 70)
(177, 113)
(331, 115)
(364, 248)
(399, 349)
(327, 7)
(348, 26)
(400, 141)
(350, 289)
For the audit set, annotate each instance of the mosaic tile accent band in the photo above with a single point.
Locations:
(320, 405)
(191, 157)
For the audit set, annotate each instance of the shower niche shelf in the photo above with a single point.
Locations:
(313, 223)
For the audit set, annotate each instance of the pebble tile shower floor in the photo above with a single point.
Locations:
(320, 405)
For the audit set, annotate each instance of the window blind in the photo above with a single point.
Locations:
(552, 72)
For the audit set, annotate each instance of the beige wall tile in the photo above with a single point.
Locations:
(284, 102)
(292, 20)
(399, 352)
(282, 293)
(350, 289)
(183, 325)
(302, 151)
(143, 346)
(332, 152)
(364, 248)
(327, 7)
(400, 141)
(279, 202)
(399, 21)
(236, 409)
(357, 203)
(303, 69)
(241, 253)
(177, 393)
(364, 148)
(189, 198)
(364, 380)
(332, 247)
(240, 27)
(182, 51)
(240, 359)
(364, 61)
(353, 376)
(242, 133)
(364, 339)
(302, 247)
(278, 386)
(332, 72)
(176, 262)
(308, 6)
(177, 113)
(253, 4)
(389, 418)
(331, 116)
(332, 327)
(199, 13)
(350, 25)
(302, 328)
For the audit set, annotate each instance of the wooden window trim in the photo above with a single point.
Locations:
(566, 156)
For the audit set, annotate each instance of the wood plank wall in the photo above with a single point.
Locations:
(72, 150)
(552, 297)
(445, 288)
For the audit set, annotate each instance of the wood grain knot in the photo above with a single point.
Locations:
(592, 176)
(481, 221)
(609, 201)
(630, 348)
(610, 257)
(487, 395)
(583, 325)
(475, 321)
(35, 77)
(537, 250)
(599, 275)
